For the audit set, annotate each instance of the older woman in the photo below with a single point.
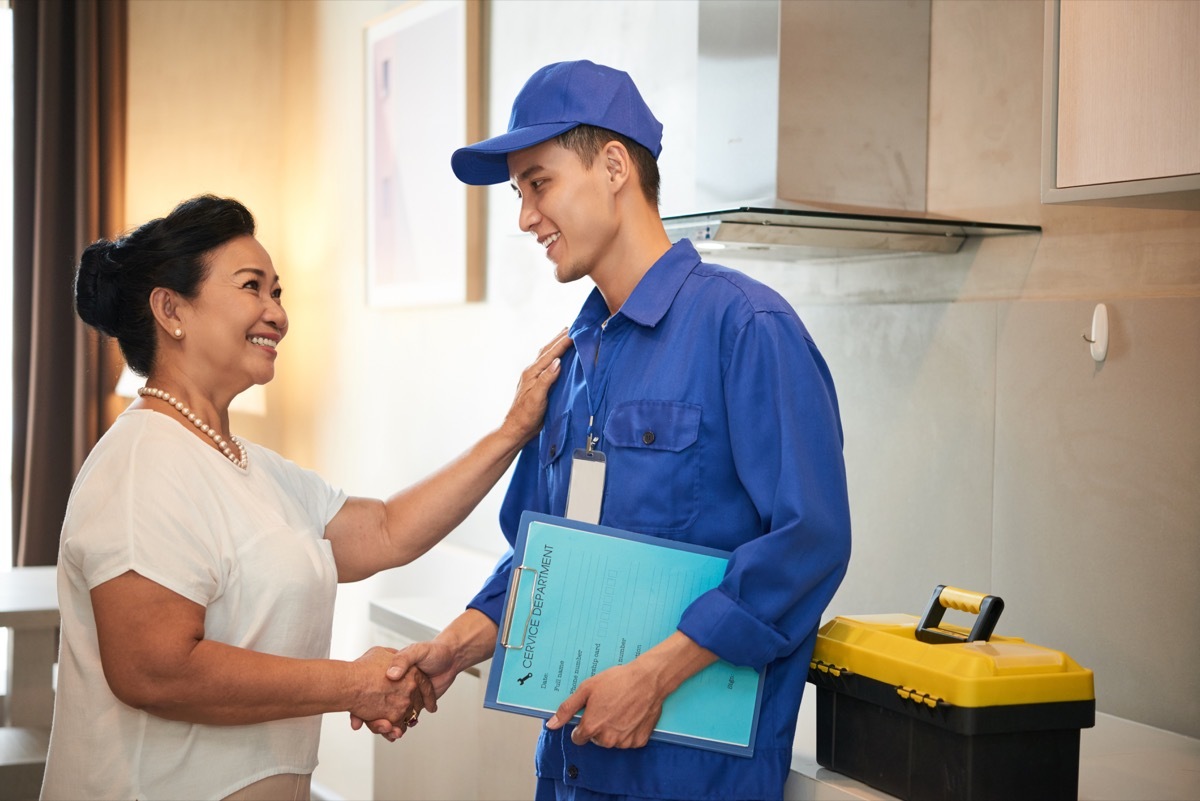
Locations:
(197, 570)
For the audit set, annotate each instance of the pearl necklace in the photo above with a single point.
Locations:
(239, 460)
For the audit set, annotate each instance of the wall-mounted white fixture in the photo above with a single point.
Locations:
(1099, 337)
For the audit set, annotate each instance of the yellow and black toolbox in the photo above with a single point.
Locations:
(923, 710)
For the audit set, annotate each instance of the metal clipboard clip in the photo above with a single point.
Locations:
(514, 586)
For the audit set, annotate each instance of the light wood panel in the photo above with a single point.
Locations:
(1128, 90)
(853, 103)
(1121, 113)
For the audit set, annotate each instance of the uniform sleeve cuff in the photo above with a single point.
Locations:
(717, 622)
(490, 599)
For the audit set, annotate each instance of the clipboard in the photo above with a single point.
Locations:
(583, 598)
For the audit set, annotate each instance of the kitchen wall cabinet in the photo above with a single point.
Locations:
(1121, 109)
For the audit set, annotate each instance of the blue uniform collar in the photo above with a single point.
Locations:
(653, 295)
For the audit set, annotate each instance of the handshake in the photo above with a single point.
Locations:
(393, 686)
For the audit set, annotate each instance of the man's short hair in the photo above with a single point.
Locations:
(587, 140)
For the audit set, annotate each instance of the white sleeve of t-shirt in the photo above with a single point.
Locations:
(158, 510)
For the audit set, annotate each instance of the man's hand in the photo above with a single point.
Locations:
(623, 704)
(435, 660)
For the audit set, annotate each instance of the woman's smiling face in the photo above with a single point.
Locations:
(237, 318)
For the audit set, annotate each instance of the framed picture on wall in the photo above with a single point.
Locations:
(425, 98)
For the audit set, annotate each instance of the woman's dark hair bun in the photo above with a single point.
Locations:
(98, 287)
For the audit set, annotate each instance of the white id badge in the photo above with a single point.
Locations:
(586, 492)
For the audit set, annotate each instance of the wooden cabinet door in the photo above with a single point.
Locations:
(1123, 99)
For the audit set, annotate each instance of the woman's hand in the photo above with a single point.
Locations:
(427, 659)
(524, 418)
(392, 694)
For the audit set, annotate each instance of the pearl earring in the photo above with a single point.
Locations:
(179, 333)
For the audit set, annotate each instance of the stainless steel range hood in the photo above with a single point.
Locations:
(812, 132)
(775, 232)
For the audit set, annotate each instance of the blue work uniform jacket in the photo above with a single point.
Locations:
(720, 426)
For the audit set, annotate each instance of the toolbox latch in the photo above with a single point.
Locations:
(827, 667)
(916, 696)
(987, 608)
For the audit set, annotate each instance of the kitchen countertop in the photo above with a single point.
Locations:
(1120, 760)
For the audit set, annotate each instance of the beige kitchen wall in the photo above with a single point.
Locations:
(984, 447)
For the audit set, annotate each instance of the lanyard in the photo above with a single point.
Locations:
(601, 385)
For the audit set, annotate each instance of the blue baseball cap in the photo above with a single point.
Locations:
(555, 99)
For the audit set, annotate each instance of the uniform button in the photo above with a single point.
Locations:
(572, 772)
(648, 438)
(553, 450)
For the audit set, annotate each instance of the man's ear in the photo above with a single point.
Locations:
(617, 164)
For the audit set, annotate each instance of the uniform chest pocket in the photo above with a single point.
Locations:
(554, 439)
(654, 453)
(550, 456)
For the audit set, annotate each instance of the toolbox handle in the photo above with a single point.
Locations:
(987, 608)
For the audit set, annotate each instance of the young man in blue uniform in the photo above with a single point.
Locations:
(719, 423)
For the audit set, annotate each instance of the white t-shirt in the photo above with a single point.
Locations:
(247, 545)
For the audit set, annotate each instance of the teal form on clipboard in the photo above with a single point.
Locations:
(584, 598)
